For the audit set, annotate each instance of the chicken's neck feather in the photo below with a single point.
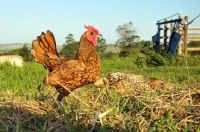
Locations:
(86, 51)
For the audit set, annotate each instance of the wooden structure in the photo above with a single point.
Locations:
(184, 31)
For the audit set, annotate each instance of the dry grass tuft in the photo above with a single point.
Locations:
(162, 110)
(29, 115)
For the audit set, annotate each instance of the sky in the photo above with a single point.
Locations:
(21, 21)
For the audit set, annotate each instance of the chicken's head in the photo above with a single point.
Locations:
(92, 34)
(157, 83)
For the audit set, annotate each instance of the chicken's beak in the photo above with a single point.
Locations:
(98, 36)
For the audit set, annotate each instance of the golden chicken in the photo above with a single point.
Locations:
(68, 74)
(129, 83)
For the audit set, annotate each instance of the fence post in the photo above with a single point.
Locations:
(180, 46)
(185, 35)
(165, 34)
(171, 26)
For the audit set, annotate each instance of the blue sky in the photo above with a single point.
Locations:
(22, 20)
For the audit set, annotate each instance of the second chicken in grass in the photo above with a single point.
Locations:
(127, 83)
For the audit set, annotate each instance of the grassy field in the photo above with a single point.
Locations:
(26, 105)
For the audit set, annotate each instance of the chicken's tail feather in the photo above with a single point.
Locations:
(45, 52)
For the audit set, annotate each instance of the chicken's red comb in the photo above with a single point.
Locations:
(92, 28)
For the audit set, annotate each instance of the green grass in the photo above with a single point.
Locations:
(25, 79)
(25, 105)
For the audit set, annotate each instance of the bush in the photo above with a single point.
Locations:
(69, 50)
(151, 58)
(24, 52)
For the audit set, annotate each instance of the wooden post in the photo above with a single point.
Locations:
(185, 35)
(165, 34)
(180, 46)
(194, 28)
(158, 44)
(171, 26)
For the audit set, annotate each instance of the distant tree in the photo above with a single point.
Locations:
(70, 48)
(127, 35)
(12, 52)
(70, 39)
(127, 39)
(25, 53)
(101, 47)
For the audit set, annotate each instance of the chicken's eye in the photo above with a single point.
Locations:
(91, 33)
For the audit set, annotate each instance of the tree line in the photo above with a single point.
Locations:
(128, 41)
